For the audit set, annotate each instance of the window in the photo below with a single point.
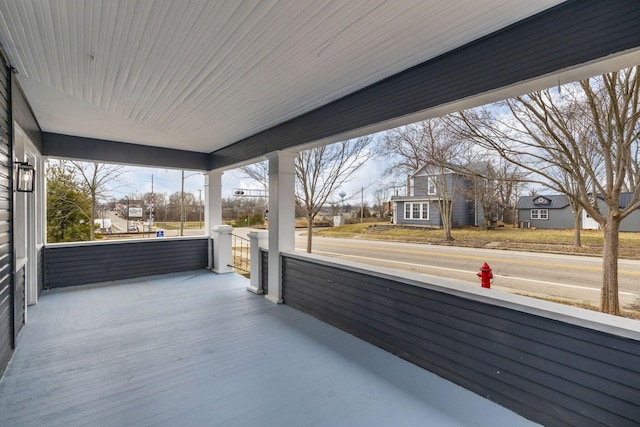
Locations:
(416, 210)
(431, 187)
(539, 214)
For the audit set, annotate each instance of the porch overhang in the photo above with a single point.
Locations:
(84, 84)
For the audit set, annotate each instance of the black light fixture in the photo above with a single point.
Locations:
(25, 177)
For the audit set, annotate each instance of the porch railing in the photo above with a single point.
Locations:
(240, 247)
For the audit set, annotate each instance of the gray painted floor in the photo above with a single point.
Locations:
(197, 349)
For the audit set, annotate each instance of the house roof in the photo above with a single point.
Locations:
(412, 198)
(556, 201)
(559, 201)
(482, 168)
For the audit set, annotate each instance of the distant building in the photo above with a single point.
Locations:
(421, 206)
(554, 212)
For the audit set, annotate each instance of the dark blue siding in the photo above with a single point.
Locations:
(76, 147)
(7, 337)
(554, 369)
(84, 263)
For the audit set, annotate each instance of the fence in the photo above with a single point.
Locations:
(240, 253)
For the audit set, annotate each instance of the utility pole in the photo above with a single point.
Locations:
(182, 206)
(128, 203)
(362, 205)
(153, 206)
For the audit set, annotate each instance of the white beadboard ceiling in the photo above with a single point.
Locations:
(201, 74)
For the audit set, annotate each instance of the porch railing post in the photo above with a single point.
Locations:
(222, 250)
(258, 239)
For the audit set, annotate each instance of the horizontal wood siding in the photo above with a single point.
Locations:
(434, 215)
(575, 32)
(558, 218)
(265, 271)
(6, 222)
(80, 264)
(552, 372)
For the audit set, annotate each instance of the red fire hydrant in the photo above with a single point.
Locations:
(485, 276)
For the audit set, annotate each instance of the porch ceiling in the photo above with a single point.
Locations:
(201, 75)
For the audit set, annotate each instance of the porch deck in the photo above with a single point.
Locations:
(198, 349)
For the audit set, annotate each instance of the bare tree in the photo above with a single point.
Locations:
(510, 182)
(494, 184)
(259, 172)
(582, 143)
(100, 180)
(382, 196)
(483, 190)
(427, 145)
(322, 170)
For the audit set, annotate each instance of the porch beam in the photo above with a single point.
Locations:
(100, 150)
(558, 45)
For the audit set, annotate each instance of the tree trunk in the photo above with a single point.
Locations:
(609, 302)
(92, 233)
(577, 240)
(446, 219)
(309, 232)
(447, 234)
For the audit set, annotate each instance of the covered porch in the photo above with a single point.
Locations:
(195, 348)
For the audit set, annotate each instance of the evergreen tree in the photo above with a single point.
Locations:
(68, 205)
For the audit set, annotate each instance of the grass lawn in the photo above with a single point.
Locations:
(554, 241)
(175, 225)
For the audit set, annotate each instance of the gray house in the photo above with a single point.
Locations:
(422, 205)
(554, 212)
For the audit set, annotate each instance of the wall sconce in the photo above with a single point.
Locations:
(25, 178)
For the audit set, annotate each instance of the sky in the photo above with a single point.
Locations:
(138, 181)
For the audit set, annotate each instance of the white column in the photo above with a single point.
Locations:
(281, 216)
(212, 199)
(222, 249)
(212, 205)
(257, 239)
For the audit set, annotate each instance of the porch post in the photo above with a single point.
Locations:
(258, 239)
(222, 249)
(281, 216)
(212, 206)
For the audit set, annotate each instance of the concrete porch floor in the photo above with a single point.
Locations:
(197, 349)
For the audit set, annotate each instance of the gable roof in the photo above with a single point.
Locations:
(559, 201)
(556, 201)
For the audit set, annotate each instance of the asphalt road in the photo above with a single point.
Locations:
(563, 276)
